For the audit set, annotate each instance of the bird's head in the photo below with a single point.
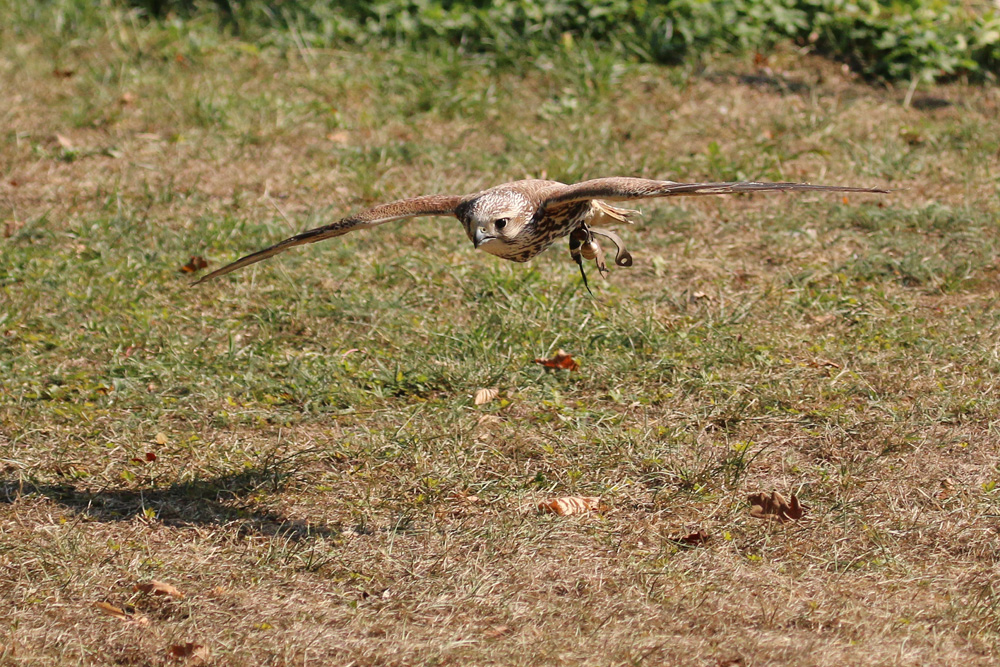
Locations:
(495, 220)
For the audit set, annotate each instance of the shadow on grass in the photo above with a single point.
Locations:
(219, 500)
(762, 79)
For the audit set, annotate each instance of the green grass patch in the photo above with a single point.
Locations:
(314, 437)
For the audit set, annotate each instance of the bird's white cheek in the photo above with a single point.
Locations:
(493, 247)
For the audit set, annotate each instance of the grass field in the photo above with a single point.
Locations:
(324, 490)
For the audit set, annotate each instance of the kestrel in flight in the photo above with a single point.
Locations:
(518, 220)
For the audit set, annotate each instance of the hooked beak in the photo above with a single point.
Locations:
(480, 237)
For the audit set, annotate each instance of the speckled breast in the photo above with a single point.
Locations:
(549, 226)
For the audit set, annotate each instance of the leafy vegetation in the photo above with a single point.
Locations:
(882, 39)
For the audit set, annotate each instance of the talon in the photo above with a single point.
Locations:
(580, 241)
(622, 257)
(599, 261)
(579, 262)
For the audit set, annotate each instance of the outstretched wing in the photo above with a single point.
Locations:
(397, 210)
(625, 189)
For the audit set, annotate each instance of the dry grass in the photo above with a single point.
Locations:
(312, 501)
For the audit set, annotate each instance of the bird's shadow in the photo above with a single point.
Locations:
(220, 500)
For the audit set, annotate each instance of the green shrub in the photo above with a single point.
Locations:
(882, 39)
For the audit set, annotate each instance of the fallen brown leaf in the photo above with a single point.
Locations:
(561, 360)
(121, 614)
(195, 264)
(498, 631)
(9, 228)
(487, 421)
(763, 506)
(465, 497)
(160, 438)
(112, 610)
(570, 505)
(60, 73)
(64, 141)
(695, 539)
(485, 396)
(192, 652)
(154, 587)
(462, 503)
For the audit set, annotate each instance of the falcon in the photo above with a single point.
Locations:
(518, 220)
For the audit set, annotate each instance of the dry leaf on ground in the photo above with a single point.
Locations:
(823, 319)
(192, 652)
(10, 228)
(194, 264)
(463, 502)
(112, 610)
(64, 141)
(485, 396)
(488, 420)
(160, 438)
(561, 360)
(763, 506)
(695, 539)
(498, 631)
(121, 614)
(154, 587)
(464, 496)
(570, 505)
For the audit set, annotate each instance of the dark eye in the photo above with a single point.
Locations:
(501, 223)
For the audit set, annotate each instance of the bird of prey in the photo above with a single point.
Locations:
(518, 220)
